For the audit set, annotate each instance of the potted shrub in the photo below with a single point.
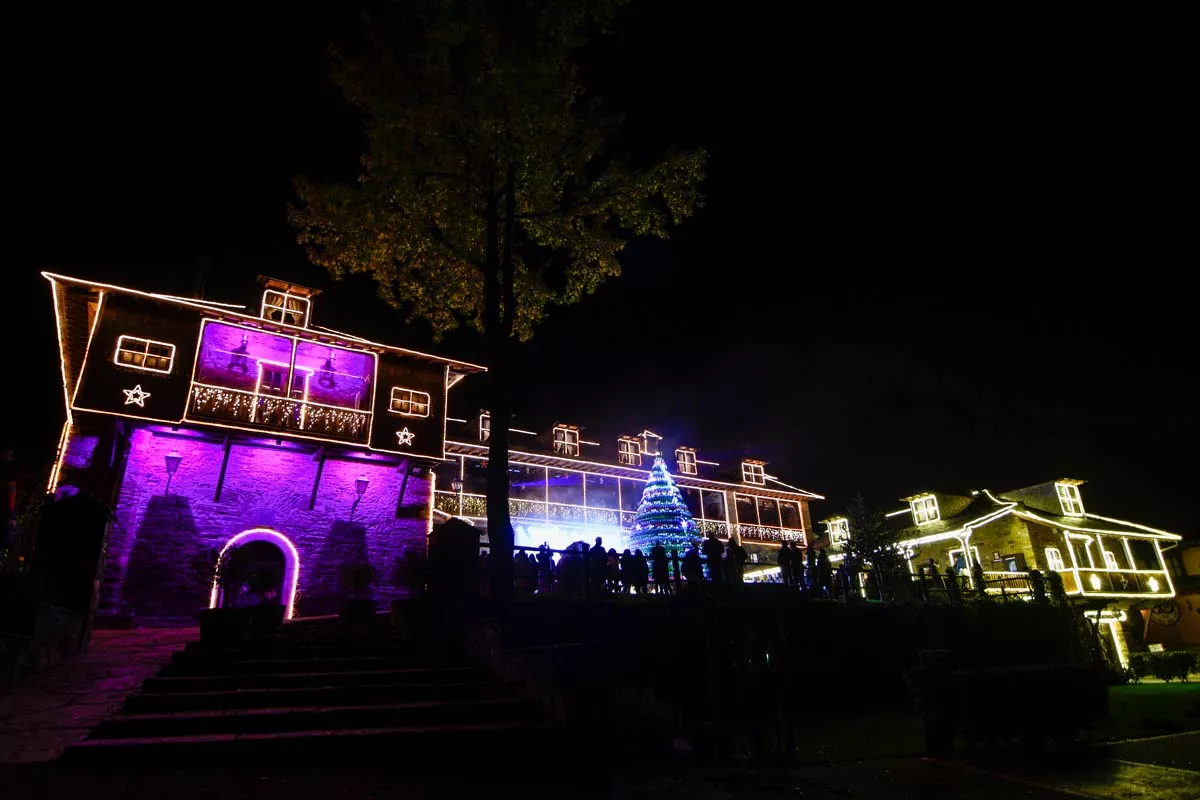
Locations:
(224, 625)
(266, 616)
(356, 580)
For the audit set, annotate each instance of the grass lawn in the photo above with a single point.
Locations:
(1148, 709)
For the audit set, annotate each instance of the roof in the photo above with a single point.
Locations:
(230, 312)
(986, 506)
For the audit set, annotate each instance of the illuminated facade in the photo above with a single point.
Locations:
(207, 427)
(1107, 565)
(565, 488)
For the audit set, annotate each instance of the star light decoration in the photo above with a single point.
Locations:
(136, 395)
(405, 437)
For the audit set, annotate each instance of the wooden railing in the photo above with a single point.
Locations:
(251, 410)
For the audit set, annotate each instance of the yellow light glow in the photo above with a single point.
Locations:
(1152, 583)
(1094, 580)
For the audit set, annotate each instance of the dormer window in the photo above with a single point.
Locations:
(685, 458)
(289, 309)
(650, 441)
(485, 427)
(925, 509)
(838, 530)
(629, 451)
(753, 472)
(1069, 499)
(409, 402)
(566, 440)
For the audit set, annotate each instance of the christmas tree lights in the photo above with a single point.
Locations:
(662, 516)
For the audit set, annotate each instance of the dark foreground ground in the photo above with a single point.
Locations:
(872, 755)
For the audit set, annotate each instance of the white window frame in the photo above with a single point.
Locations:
(629, 451)
(1110, 560)
(925, 509)
(685, 460)
(566, 441)
(650, 441)
(284, 310)
(753, 473)
(413, 400)
(138, 346)
(1069, 499)
(838, 530)
(971, 562)
(485, 427)
(1054, 560)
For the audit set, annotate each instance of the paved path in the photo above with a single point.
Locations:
(42, 715)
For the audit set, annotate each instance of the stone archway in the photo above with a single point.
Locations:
(291, 564)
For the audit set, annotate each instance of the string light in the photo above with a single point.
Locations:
(405, 437)
(136, 396)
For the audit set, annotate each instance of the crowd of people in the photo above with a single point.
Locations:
(597, 570)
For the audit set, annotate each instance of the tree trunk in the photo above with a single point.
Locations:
(497, 332)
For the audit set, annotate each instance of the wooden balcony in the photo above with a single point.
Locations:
(279, 414)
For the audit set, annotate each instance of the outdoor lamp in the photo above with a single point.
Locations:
(360, 484)
(172, 459)
(456, 484)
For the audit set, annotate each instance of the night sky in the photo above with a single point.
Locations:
(934, 256)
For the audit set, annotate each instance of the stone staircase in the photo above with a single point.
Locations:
(323, 690)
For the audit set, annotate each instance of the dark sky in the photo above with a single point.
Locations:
(934, 256)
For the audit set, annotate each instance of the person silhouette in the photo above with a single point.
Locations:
(713, 551)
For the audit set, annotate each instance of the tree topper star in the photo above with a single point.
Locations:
(405, 437)
(136, 395)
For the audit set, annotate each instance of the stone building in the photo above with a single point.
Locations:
(1112, 568)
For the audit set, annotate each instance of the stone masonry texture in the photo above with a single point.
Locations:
(158, 557)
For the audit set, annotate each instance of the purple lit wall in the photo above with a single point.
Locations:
(156, 557)
(224, 361)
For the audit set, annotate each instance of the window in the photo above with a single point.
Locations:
(650, 441)
(566, 441)
(768, 512)
(714, 505)
(409, 402)
(1110, 560)
(747, 509)
(144, 354)
(485, 427)
(1069, 499)
(789, 515)
(1013, 562)
(686, 459)
(838, 530)
(289, 309)
(959, 560)
(629, 451)
(752, 472)
(925, 509)
(1054, 560)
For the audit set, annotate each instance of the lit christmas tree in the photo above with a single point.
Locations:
(662, 516)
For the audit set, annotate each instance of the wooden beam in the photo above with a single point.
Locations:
(224, 466)
(312, 501)
(406, 466)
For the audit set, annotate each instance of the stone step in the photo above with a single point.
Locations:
(325, 717)
(247, 664)
(273, 680)
(307, 696)
(275, 651)
(411, 749)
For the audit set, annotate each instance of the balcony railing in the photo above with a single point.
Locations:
(251, 410)
(465, 504)
(1124, 581)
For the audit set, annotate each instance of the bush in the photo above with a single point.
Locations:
(1168, 666)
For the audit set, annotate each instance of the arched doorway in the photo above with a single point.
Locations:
(262, 562)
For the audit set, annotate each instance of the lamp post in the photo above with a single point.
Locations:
(457, 486)
(172, 459)
(360, 488)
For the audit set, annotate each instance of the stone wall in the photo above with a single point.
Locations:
(158, 561)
